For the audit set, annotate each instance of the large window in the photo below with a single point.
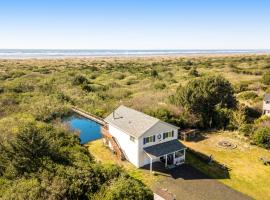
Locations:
(149, 139)
(168, 134)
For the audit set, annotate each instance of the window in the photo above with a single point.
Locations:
(132, 138)
(149, 139)
(168, 134)
(267, 102)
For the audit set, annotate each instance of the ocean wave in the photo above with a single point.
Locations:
(49, 53)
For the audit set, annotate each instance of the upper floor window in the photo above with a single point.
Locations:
(132, 138)
(149, 139)
(168, 134)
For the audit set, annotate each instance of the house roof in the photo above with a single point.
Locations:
(267, 97)
(164, 148)
(131, 121)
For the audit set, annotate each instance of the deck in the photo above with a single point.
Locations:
(88, 115)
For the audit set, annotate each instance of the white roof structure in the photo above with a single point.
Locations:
(132, 122)
(267, 97)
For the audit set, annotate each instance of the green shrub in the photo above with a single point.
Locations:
(154, 73)
(159, 86)
(79, 80)
(63, 97)
(187, 67)
(127, 188)
(261, 137)
(118, 75)
(193, 72)
(131, 80)
(88, 88)
(48, 111)
(241, 87)
(248, 95)
(21, 87)
(263, 120)
(93, 87)
(246, 129)
(266, 78)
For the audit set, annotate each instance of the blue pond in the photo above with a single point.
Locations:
(89, 130)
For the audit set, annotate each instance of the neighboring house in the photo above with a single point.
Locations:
(142, 139)
(266, 105)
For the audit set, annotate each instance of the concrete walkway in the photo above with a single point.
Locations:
(186, 182)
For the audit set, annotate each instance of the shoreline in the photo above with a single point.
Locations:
(163, 56)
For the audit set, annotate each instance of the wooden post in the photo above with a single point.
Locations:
(184, 155)
(166, 160)
(150, 165)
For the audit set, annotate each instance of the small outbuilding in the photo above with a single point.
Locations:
(188, 134)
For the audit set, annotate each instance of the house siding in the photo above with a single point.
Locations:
(130, 148)
(157, 129)
(266, 107)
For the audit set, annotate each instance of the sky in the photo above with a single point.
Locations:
(135, 24)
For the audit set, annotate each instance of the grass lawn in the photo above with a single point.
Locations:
(104, 155)
(247, 175)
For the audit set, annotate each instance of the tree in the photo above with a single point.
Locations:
(202, 96)
(125, 188)
(30, 148)
(47, 162)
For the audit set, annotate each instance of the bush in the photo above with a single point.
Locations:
(1, 90)
(118, 75)
(79, 80)
(246, 129)
(131, 80)
(48, 111)
(93, 87)
(160, 86)
(241, 87)
(22, 88)
(261, 137)
(127, 188)
(264, 120)
(154, 73)
(266, 78)
(248, 95)
(187, 67)
(193, 72)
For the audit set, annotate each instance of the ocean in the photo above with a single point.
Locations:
(60, 53)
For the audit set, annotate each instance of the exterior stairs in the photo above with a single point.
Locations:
(110, 140)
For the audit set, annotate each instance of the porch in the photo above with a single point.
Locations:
(171, 153)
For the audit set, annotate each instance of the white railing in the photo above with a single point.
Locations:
(180, 160)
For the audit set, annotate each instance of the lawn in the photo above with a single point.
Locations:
(247, 173)
(104, 155)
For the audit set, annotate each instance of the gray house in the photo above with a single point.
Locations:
(266, 105)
